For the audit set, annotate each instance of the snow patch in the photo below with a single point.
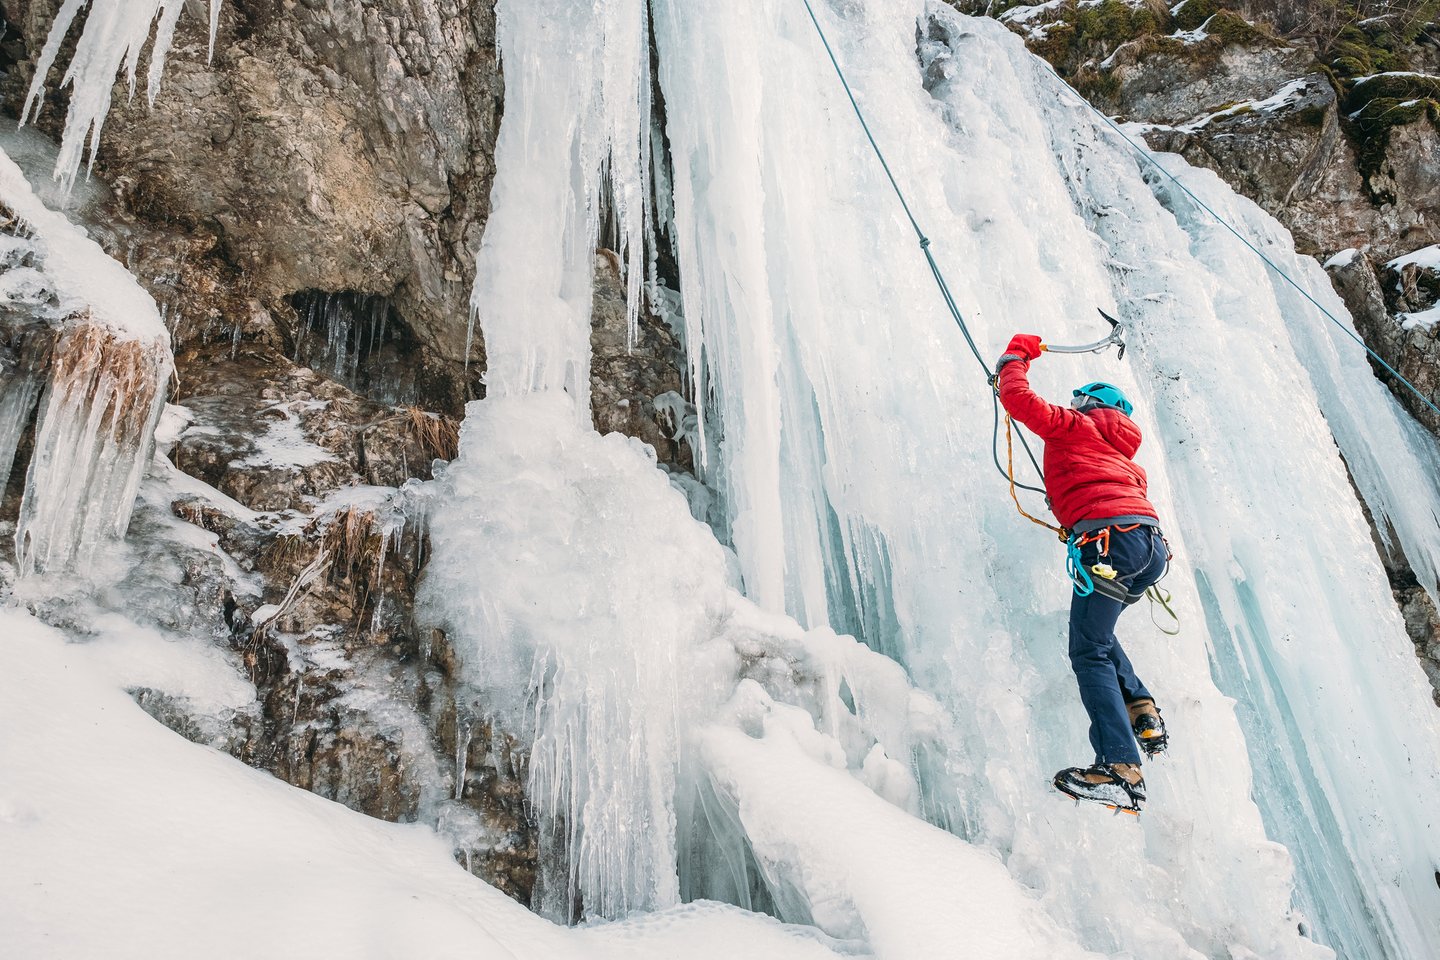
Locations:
(168, 831)
(1424, 320)
(1426, 258)
(1342, 259)
(1286, 97)
(283, 445)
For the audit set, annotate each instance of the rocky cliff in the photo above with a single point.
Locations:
(305, 207)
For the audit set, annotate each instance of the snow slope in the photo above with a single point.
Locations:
(120, 839)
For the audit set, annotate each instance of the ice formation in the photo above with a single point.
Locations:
(105, 389)
(846, 436)
(701, 723)
(580, 594)
(579, 74)
(115, 34)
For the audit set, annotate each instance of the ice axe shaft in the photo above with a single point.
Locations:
(1116, 337)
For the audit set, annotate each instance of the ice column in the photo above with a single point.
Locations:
(577, 121)
(105, 392)
(567, 572)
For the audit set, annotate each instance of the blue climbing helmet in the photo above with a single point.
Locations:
(1106, 394)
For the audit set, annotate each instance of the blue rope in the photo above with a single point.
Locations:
(1075, 567)
(930, 259)
(1145, 154)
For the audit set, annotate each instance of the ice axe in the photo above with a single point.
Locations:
(1116, 337)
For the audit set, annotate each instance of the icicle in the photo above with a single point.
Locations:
(105, 393)
(93, 438)
(19, 390)
(110, 44)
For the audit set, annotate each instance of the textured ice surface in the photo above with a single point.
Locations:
(855, 473)
(581, 597)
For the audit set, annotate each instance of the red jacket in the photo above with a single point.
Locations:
(1089, 473)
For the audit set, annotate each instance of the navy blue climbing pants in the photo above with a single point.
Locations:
(1107, 680)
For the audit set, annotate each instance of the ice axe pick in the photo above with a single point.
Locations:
(1116, 337)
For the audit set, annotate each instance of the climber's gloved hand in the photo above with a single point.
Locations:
(1023, 346)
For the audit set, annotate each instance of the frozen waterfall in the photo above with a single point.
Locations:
(700, 722)
(848, 440)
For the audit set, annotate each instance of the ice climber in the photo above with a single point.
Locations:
(1098, 493)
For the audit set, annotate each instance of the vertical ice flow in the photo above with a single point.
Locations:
(854, 467)
(571, 602)
(103, 397)
(577, 81)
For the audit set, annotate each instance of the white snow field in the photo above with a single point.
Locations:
(120, 839)
(702, 726)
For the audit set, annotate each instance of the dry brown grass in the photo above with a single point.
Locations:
(121, 377)
(438, 436)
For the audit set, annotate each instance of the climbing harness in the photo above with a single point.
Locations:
(1102, 578)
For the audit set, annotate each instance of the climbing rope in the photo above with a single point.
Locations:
(944, 289)
(1145, 155)
(1080, 577)
(1010, 462)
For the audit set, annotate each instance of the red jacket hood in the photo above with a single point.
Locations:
(1117, 429)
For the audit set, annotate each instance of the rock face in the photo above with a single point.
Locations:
(329, 147)
(306, 209)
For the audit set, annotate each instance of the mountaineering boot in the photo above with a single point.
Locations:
(1149, 727)
(1117, 785)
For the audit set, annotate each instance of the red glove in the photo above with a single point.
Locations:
(1026, 346)
(1023, 346)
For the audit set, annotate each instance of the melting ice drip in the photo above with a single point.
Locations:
(357, 339)
(110, 364)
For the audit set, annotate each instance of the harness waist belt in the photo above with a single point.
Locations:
(1090, 526)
